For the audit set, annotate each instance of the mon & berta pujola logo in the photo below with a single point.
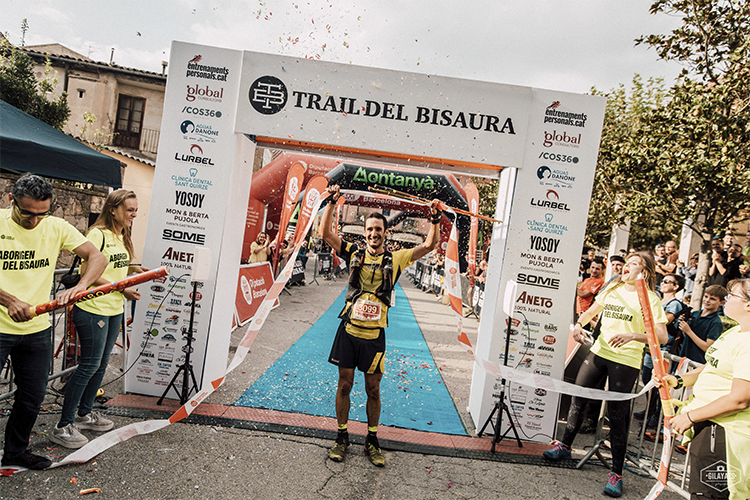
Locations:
(269, 95)
(554, 115)
(198, 70)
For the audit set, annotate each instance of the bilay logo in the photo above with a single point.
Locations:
(206, 72)
(553, 115)
(268, 95)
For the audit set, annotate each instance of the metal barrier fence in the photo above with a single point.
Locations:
(67, 348)
(430, 279)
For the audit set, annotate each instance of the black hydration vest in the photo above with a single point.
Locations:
(383, 293)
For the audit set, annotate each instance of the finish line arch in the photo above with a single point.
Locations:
(541, 144)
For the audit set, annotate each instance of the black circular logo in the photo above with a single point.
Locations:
(268, 95)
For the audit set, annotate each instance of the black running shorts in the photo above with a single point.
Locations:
(349, 351)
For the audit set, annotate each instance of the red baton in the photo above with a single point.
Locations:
(92, 293)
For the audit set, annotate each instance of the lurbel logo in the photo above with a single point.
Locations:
(551, 202)
(196, 156)
(549, 339)
(268, 95)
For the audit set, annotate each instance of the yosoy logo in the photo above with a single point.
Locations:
(268, 95)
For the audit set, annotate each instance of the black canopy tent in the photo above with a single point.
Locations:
(30, 145)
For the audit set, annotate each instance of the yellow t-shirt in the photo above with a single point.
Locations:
(370, 278)
(261, 256)
(622, 314)
(118, 260)
(726, 359)
(27, 265)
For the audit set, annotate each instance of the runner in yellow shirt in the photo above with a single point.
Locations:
(30, 241)
(616, 354)
(360, 339)
(98, 321)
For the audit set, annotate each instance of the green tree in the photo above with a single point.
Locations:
(20, 88)
(686, 160)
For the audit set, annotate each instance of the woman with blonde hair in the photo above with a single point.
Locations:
(717, 419)
(616, 354)
(98, 321)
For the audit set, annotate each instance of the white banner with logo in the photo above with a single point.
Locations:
(363, 111)
(197, 194)
(545, 208)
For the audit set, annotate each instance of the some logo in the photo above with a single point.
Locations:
(555, 138)
(554, 115)
(183, 236)
(268, 95)
(538, 281)
(206, 72)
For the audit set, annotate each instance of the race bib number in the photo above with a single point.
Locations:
(366, 310)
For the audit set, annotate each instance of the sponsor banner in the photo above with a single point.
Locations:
(192, 190)
(356, 110)
(253, 284)
(547, 201)
(472, 197)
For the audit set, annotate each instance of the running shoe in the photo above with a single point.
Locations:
(639, 415)
(94, 422)
(68, 436)
(372, 450)
(558, 452)
(338, 452)
(614, 485)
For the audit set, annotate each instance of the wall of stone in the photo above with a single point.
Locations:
(72, 203)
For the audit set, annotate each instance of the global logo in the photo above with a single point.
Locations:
(268, 95)
(556, 138)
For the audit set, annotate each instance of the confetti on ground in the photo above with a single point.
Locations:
(412, 393)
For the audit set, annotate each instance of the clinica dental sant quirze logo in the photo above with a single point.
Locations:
(268, 95)
(198, 70)
(554, 115)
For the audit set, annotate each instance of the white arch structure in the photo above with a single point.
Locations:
(541, 144)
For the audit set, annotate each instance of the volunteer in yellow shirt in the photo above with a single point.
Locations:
(717, 419)
(360, 339)
(616, 354)
(98, 321)
(30, 241)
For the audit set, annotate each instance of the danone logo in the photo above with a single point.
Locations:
(394, 180)
(268, 95)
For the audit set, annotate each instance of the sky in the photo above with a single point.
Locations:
(567, 45)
